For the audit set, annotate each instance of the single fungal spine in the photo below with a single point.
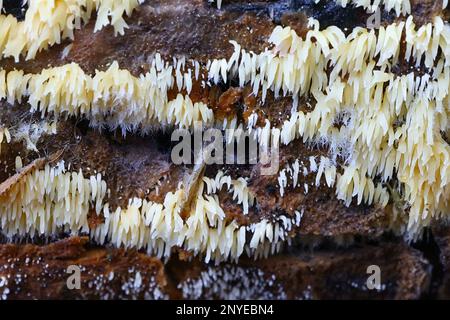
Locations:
(5, 136)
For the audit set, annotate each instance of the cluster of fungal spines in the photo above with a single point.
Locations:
(392, 133)
(48, 22)
(51, 200)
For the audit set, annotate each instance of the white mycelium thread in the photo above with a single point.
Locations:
(48, 201)
(30, 133)
(48, 22)
(5, 136)
(113, 97)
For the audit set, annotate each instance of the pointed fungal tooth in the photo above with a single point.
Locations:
(19, 164)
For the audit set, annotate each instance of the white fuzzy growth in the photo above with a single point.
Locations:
(30, 133)
(312, 164)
